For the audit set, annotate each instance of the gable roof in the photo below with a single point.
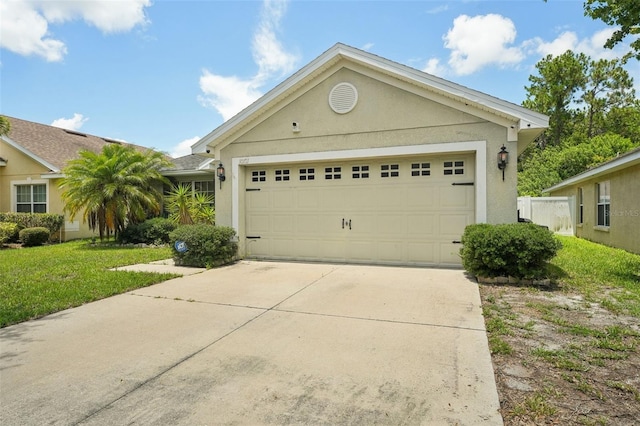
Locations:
(628, 159)
(190, 164)
(51, 146)
(528, 123)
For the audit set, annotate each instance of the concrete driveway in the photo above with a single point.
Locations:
(260, 343)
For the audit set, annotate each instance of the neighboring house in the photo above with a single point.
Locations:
(356, 158)
(32, 157)
(607, 200)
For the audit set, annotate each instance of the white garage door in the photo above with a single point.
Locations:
(409, 211)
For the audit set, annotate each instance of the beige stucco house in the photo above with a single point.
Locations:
(33, 155)
(607, 200)
(356, 158)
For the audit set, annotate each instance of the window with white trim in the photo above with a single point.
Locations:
(360, 172)
(307, 174)
(31, 198)
(420, 169)
(258, 176)
(389, 170)
(332, 173)
(282, 175)
(580, 207)
(603, 203)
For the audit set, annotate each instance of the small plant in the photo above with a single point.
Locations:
(32, 237)
(8, 232)
(519, 250)
(203, 246)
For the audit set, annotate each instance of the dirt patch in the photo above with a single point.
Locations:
(561, 359)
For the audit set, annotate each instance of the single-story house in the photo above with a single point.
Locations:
(356, 158)
(33, 155)
(607, 200)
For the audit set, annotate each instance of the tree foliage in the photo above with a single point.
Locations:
(187, 207)
(5, 125)
(113, 188)
(623, 14)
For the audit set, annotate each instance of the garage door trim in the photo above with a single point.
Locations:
(479, 147)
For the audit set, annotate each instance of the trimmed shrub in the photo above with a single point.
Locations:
(206, 245)
(37, 236)
(8, 232)
(152, 231)
(519, 250)
(53, 222)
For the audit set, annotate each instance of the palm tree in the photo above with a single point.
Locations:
(187, 207)
(113, 188)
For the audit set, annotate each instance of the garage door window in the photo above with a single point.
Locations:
(332, 173)
(307, 174)
(360, 172)
(454, 167)
(259, 176)
(421, 169)
(389, 170)
(282, 175)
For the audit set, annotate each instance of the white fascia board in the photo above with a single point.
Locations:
(478, 147)
(205, 165)
(30, 154)
(613, 165)
(52, 176)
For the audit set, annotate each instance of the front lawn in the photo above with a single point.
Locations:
(41, 280)
(569, 354)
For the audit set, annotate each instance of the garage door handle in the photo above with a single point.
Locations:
(349, 224)
(342, 223)
(462, 184)
(456, 242)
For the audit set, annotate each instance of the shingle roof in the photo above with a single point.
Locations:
(53, 146)
(189, 162)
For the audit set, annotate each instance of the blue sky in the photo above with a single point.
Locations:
(162, 74)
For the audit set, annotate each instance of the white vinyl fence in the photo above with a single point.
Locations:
(556, 213)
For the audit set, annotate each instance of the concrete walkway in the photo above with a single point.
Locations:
(260, 343)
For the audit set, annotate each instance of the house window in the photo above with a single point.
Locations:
(389, 170)
(332, 173)
(580, 206)
(282, 175)
(307, 174)
(603, 203)
(31, 198)
(360, 172)
(420, 169)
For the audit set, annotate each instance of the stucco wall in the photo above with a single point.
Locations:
(624, 229)
(23, 169)
(384, 116)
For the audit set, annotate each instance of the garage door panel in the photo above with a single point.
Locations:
(403, 219)
(421, 226)
(451, 224)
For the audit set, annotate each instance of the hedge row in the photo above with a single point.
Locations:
(53, 222)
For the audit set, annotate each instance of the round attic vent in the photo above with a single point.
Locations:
(343, 98)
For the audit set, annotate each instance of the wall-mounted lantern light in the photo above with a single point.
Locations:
(503, 159)
(220, 174)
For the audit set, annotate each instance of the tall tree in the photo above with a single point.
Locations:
(608, 86)
(553, 91)
(113, 188)
(623, 14)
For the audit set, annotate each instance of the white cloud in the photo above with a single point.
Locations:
(438, 9)
(435, 67)
(230, 94)
(482, 40)
(24, 25)
(73, 123)
(367, 46)
(592, 46)
(184, 147)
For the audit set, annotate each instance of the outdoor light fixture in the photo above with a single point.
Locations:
(220, 173)
(503, 159)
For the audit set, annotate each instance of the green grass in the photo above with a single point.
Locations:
(592, 269)
(38, 281)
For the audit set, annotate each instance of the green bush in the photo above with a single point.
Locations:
(519, 250)
(53, 222)
(8, 232)
(37, 236)
(206, 245)
(152, 231)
